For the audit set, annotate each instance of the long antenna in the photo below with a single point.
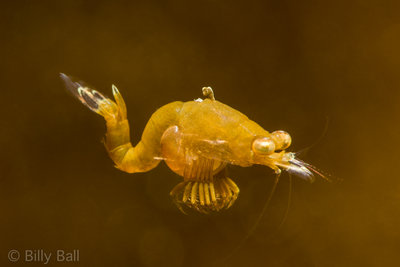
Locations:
(288, 203)
(319, 139)
(253, 228)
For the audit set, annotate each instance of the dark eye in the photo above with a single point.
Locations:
(263, 145)
(282, 139)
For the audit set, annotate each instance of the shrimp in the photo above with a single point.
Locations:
(197, 140)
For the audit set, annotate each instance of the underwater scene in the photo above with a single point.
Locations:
(208, 133)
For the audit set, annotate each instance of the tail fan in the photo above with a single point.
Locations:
(94, 100)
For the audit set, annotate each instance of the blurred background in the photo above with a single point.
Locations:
(288, 65)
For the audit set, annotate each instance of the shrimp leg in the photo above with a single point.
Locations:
(146, 154)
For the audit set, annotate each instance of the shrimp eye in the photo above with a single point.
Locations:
(282, 139)
(263, 145)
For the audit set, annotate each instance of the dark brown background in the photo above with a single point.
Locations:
(286, 64)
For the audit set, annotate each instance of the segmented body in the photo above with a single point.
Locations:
(197, 139)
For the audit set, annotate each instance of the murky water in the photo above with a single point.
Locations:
(289, 65)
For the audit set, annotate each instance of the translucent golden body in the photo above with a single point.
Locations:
(197, 139)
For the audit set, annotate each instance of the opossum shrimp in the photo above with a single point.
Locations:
(197, 140)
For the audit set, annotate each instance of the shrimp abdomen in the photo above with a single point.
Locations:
(146, 154)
